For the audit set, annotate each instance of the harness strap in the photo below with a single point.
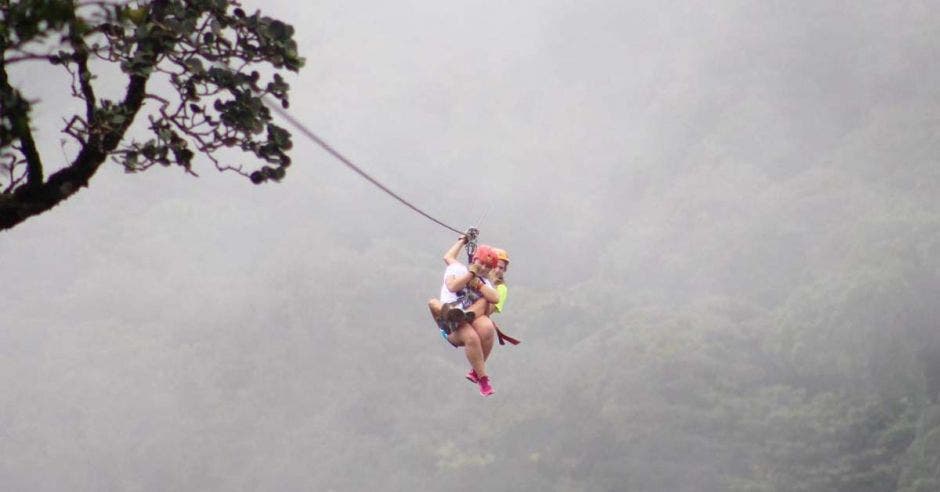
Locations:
(503, 338)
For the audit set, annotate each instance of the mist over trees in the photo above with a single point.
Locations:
(733, 289)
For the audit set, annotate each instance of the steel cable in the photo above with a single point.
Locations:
(327, 147)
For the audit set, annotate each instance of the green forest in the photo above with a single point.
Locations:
(739, 331)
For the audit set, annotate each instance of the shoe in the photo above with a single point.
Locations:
(446, 339)
(485, 388)
(472, 377)
(444, 326)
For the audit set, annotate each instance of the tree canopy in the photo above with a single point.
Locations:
(193, 68)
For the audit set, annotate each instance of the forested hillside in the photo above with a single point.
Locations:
(724, 226)
(738, 331)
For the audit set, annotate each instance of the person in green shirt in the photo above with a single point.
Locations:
(497, 275)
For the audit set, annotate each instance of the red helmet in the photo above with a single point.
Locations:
(487, 255)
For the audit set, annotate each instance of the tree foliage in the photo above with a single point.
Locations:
(193, 68)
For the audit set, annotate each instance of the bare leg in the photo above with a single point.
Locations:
(467, 337)
(486, 330)
(484, 326)
(434, 305)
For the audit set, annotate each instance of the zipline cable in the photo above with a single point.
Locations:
(327, 147)
(489, 209)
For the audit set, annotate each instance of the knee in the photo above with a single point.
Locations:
(484, 326)
(471, 339)
(434, 306)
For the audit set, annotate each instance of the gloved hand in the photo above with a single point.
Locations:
(475, 269)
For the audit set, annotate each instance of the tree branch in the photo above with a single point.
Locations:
(16, 109)
(103, 137)
(195, 45)
(10, 166)
(84, 75)
(27, 57)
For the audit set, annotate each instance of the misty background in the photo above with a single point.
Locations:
(725, 241)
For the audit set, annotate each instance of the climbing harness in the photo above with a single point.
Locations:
(503, 338)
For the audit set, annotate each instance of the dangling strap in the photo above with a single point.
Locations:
(503, 338)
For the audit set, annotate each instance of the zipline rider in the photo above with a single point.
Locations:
(462, 310)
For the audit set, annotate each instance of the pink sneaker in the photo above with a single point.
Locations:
(472, 377)
(485, 388)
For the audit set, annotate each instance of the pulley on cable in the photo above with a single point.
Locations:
(471, 234)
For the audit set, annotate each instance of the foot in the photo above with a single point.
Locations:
(485, 388)
(445, 327)
(472, 377)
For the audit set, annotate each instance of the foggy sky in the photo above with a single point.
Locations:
(168, 332)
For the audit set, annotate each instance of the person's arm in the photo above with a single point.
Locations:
(456, 282)
(489, 293)
(450, 257)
